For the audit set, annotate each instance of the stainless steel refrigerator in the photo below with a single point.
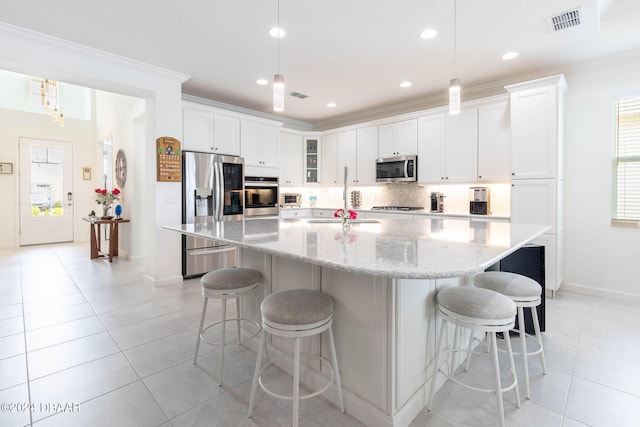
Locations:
(212, 190)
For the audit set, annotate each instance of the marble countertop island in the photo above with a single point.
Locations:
(419, 249)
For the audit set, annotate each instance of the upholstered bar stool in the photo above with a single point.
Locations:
(479, 310)
(296, 314)
(223, 284)
(524, 292)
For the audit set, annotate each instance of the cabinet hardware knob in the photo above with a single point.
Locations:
(513, 173)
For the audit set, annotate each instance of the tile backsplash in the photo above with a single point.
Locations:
(407, 194)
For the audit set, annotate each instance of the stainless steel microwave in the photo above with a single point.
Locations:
(397, 169)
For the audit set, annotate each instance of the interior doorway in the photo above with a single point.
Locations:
(46, 191)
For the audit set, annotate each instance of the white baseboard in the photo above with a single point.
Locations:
(162, 282)
(608, 293)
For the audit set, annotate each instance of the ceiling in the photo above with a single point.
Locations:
(351, 52)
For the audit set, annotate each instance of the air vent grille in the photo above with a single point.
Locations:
(299, 95)
(565, 20)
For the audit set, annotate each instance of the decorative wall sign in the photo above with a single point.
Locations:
(6, 167)
(86, 173)
(169, 166)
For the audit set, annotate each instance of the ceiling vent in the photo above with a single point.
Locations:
(299, 95)
(564, 20)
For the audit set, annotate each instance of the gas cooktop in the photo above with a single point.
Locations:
(397, 208)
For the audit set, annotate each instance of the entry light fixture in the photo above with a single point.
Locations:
(48, 92)
(454, 84)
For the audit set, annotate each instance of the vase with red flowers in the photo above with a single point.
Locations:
(106, 199)
(346, 217)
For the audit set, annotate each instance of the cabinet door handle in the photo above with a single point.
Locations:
(513, 173)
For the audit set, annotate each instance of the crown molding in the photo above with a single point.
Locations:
(60, 45)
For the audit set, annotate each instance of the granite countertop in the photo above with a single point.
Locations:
(418, 249)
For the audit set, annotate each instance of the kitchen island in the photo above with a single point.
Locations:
(383, 277)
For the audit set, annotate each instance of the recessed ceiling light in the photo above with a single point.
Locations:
(429, 33)
(405, 84)
(277, 32)
(262, 82)
(510, 55)
(331, 105)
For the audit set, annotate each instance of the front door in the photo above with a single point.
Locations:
(46, 192)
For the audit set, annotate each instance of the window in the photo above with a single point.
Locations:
(626, 162)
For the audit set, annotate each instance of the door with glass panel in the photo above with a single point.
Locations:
(46, 193)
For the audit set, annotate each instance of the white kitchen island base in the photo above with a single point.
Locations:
(385, 333)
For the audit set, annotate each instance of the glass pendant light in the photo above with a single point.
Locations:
(278, 92)
(454, 96)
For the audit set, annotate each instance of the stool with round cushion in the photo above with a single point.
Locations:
(223, 284)
(524, 292)
(296, 314)
(478, 310)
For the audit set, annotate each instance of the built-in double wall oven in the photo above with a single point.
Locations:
(260, 196)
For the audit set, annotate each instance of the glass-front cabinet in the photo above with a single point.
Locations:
(312, 160)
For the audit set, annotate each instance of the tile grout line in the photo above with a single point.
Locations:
(26, 354)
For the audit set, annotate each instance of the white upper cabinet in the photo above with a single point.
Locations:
(367, 150)
(329, 159)
(347, 156)
(461, 157)
(536, 129)
(398, 139)
(208, 131)
(494, 142)
(291, 149)
(260, 144)
(432, 138)
(448, 146)
(312, 160)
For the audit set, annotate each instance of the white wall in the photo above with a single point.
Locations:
(115, 116)
(599, 258)
(17, 124)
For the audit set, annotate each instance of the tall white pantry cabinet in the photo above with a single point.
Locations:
(537, 176)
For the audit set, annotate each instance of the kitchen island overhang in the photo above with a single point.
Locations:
(383, 278)
(394, 248)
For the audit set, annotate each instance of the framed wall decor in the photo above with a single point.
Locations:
(6, 167)
(86, 173)
(168, 161)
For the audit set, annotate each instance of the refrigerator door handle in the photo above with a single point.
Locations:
(218, 187)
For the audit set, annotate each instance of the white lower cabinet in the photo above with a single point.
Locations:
(534, 201)
(323, 213)
(295, 213)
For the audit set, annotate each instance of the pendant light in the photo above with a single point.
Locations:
(278, 79)
(454, 84)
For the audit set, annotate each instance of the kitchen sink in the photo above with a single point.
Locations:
(338, 221)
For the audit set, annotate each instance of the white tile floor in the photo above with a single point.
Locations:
(93, 335)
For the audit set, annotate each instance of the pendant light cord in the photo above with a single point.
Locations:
(455, 41)
(279, 31)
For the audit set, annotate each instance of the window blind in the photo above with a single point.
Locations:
(626, 162)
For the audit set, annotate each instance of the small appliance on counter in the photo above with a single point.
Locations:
(479, 201)
(290, 200)
(437, 202)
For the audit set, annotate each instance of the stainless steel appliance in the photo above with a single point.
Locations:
(290, 200)
(437, 202)
(479, 201)
(260, 196)
(397, 169)
(212, 190)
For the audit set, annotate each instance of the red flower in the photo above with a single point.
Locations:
(115, 191)
(338, 213)
(353, 214)
(98, 190)
(103, 191)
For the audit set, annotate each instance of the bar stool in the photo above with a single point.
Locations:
(296, 313)
(479, 310)
(223, 284)
(524, 292)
